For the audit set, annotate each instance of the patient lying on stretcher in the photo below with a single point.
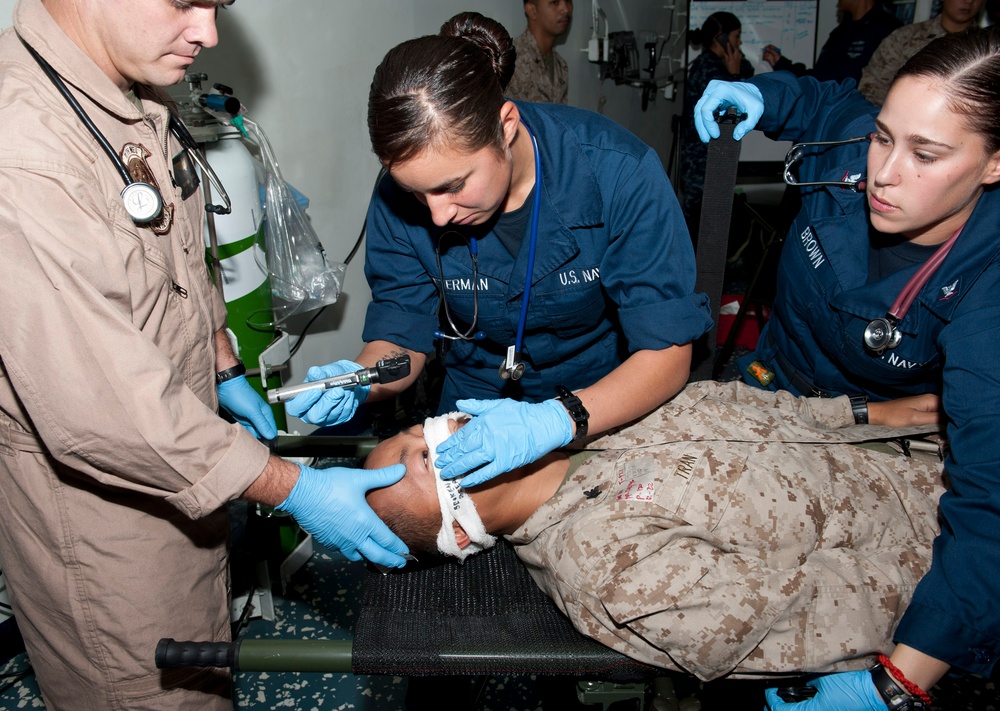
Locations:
(732, 530)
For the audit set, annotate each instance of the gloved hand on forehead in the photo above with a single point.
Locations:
(330, 504)
(720, 94)
(240, 400)
(328, 407)
(846, 691)
(503, 435)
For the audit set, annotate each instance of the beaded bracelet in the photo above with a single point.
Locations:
(910, 687)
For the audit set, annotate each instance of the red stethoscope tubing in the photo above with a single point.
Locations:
(909, 293)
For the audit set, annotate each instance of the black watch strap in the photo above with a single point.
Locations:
(230, 373)
(859, 406)
(894, 696)
(575, 408)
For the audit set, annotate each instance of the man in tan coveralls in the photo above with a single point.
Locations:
(115, 468)
(733, 530)
(540, 73)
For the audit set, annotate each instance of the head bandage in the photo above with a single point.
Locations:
(456, 504)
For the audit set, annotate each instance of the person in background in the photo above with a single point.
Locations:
(732, 531)
(863, 26)
(887, 288)
(540, 246)
(540, 73)
(892, 53)
(720, 38)
(115, 466)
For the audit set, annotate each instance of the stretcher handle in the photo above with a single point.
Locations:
(171, 654)
(258, 655)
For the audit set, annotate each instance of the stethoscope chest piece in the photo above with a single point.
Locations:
(881, 335)
(512, 367)
(142, 202)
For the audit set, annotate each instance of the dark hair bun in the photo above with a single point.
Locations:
(490, 36)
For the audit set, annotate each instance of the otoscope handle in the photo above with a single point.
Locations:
(340, 381)
(385, 371)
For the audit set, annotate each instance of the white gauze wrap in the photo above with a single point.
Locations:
(456, 504)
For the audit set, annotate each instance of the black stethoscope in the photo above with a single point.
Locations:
(142, 201)
(881, 334)
(512, 367)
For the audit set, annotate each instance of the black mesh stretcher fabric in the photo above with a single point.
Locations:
(486, 617)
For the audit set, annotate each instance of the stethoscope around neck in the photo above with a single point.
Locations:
(142, 201)
(512, 367)
(881, 334)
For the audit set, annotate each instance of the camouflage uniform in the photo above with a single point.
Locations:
(892, 54)
(532, 80)
(732, 530)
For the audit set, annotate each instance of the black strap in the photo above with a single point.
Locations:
(713, 233)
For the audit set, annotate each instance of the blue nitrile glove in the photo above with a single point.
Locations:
(746, 97)
(846, 691)
(328, 407)
(330, 504)
(248, 408)
(503, 434)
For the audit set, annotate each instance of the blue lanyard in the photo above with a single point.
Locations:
(531, 244)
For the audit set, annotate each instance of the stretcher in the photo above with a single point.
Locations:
(439, 618)
(436, 618)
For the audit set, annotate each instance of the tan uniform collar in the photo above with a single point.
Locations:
(35, 25)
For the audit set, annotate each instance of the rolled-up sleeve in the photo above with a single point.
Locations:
(649, 267)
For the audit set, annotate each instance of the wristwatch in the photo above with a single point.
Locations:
(575, 409)
(230, 373)
(894, 696)
(859, 406)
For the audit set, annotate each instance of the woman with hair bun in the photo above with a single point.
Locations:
(470, 212)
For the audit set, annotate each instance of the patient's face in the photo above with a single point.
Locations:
(408, 448)
(409, 507)
(416, 491)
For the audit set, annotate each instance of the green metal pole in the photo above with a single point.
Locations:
(290, 655)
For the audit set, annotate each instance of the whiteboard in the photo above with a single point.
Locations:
(790, 25)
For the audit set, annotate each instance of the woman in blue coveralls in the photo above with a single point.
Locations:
(611, 310)
(862, 310)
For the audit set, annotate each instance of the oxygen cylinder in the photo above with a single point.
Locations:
(245, 284)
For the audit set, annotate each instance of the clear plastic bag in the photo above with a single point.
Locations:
(301, 277)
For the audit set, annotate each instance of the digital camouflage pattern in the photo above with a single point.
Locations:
(892, 54)
(532, 80)
(738, 530)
